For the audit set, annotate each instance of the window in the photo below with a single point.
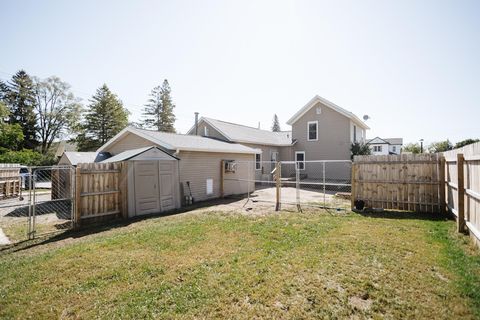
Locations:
(354, 133)
(300, 159)
(205, 131)
(312, 131)
(258, 161)
(274, 156)
(319, 110)
(394, 148)
(377, 148)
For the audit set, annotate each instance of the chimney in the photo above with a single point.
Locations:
(196, 123)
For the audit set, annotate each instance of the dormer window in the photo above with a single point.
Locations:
(205, 131)
(312, 130)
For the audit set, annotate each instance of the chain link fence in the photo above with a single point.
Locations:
(35, 201)
(323, 183)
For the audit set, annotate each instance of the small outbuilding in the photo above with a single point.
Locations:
(153, 180)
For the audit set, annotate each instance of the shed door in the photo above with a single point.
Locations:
(146, 187)
(167, 185)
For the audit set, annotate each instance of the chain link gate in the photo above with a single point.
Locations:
(35, 201)
(311, 183)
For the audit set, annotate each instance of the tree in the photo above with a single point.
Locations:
(105, 117)
(465, 142)
(412, 147)
(11, 135)
(57, 110)
(440, 146)
(20, 98)
(276, 124)
(158, 112)
(360, 149)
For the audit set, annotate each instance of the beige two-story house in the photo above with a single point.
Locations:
(321, 130)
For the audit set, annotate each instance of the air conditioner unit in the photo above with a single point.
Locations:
(230, 166)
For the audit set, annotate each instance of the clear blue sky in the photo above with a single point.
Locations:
(412, 66)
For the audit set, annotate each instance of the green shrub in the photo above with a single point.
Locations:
(26, 157)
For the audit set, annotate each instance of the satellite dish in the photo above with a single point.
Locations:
(366, 117)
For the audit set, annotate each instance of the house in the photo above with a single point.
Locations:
(321, 130)
(269, 143)
(179, 165)
(387, 146)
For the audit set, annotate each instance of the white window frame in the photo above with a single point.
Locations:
(394, 149)
(302, 162)
(308, 130)
(258, 164)
(205, 131)
(271, 156)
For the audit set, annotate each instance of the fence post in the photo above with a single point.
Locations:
(278, 186)
(123, 189)
(461, 194)
(78, 189)
(352, 193)
(442, 182)
(222, 178)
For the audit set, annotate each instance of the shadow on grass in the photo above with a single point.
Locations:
(105, 226)
(391, 214)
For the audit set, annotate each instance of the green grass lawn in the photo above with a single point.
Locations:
(214, 265)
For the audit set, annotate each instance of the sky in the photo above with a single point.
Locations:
(412, 66)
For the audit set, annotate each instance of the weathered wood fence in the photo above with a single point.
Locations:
(423, 183)
(462, 179)
(404, 182)
(100, 192)
(10, 180)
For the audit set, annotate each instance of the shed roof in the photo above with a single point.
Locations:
(182, 142)
(244, 134)
(131, 154)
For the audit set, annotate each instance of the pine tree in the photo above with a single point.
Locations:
(276, 124)
(105, 117)
(20, 99)
(158, 112)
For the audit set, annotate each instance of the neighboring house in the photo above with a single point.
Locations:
(380, 146)
(74, 158)
(321, 130)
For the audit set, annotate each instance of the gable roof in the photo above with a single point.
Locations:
(182, 142)
(85, 157)
(244, 134)
(329, 104)
(129, 154)
(378, 140)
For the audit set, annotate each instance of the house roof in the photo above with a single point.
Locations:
(182, 142)
(129, 154)
(378, 140)
(244, 134)
(85, 157)
(64, 146)
(329, 104)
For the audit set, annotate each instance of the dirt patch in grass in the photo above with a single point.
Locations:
(232, 265)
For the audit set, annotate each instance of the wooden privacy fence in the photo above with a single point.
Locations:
(100, 192)
(462, 180)
(399, 182)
